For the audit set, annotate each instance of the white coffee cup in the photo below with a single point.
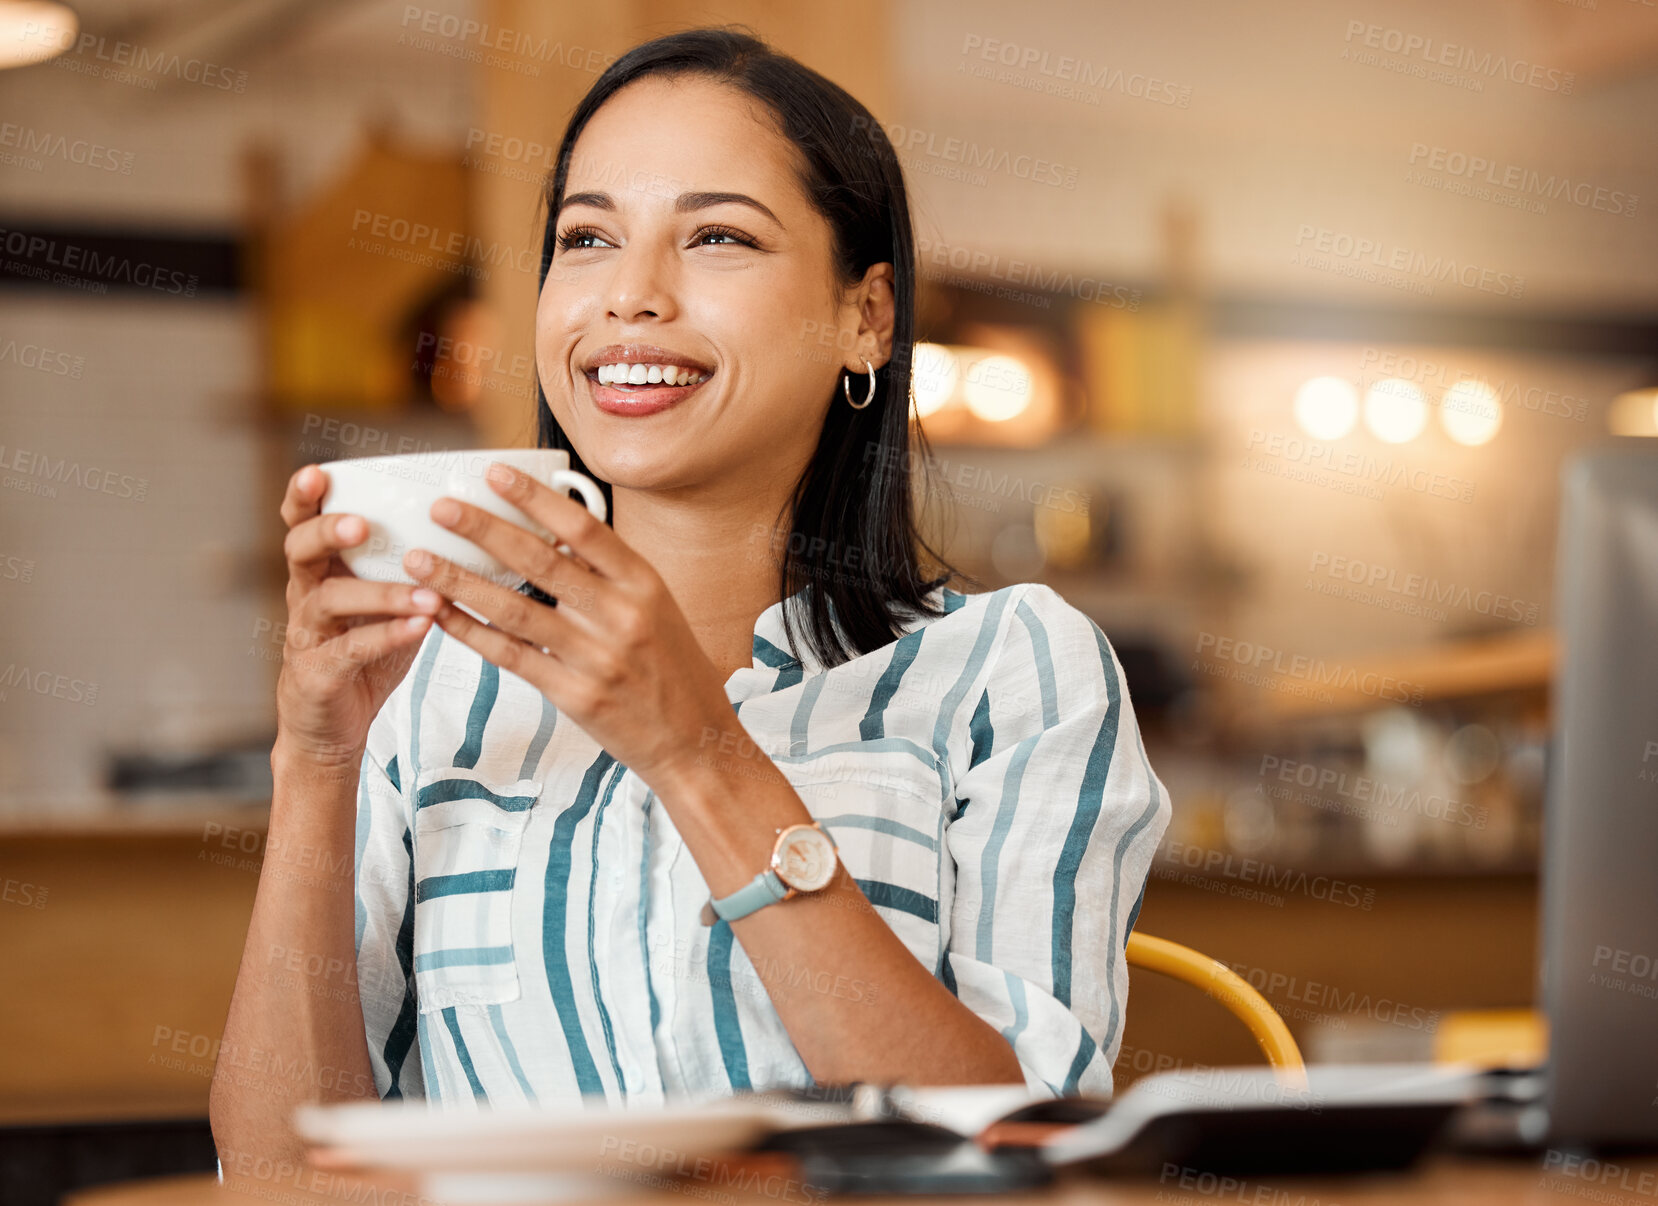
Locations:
(394, 494)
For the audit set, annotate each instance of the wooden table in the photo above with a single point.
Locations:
(1443, 1181)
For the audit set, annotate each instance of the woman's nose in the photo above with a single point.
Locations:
(640, 285)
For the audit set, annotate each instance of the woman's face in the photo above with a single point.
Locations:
(686, 239)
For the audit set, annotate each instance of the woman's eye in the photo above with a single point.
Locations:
(722, 236)
(578, 238)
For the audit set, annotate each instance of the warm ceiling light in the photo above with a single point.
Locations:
(32, 31)
(1326, 407)
(1634, 413)
(933, 377)
(997, 388)
(1395, 410)
(1470, 413)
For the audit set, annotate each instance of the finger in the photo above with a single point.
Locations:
(362, 648)
(565, 578)
(338, 599)
(542, 670)
(304, 495)
(507, 610)
(311, 544)
(593, 540)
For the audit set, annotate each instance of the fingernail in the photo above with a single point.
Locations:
(352, 528)
(446, 510)
(499, 474)
(418, 561)
(427, 600)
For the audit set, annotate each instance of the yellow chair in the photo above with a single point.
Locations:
(1222, 984)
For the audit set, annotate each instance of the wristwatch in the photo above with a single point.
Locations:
(803, 860)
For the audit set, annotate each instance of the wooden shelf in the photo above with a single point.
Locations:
(166, 816)
(1516, 661)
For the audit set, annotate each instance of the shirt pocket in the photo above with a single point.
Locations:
(883, 808)
(468, 836)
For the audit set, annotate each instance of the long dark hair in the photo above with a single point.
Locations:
(853, 534)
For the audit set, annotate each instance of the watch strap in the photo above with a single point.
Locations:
(764, 889)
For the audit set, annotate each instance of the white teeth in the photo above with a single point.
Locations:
(648, 374)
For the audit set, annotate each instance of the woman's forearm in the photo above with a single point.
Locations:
(295, 1028)
(856, 1002)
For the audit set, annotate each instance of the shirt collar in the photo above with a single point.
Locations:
(775, 666)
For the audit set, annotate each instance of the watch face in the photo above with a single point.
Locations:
(805, 858)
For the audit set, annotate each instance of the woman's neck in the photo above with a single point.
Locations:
(717, 559)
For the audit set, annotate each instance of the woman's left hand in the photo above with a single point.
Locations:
(616, 655)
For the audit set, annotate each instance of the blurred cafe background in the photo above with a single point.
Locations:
(1260, 331)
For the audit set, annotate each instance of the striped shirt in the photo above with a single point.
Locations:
(528, 920)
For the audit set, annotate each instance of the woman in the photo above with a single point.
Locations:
(561, 823)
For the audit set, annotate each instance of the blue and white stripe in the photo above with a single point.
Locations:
(527, 915)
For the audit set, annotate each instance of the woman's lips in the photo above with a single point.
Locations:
(635, 400)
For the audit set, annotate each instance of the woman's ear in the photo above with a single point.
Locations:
(876, 303)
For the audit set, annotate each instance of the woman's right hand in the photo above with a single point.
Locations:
(349, 641)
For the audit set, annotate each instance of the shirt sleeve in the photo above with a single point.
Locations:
(1057, 819)
(385, 915)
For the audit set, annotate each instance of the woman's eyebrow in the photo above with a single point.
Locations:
(688, 202)
(684, 203)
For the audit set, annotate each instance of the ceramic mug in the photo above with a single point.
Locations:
(394, 494)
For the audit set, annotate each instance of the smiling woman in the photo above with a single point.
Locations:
(764, 220)
(730, 796)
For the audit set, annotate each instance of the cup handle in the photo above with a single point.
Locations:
(568, 479)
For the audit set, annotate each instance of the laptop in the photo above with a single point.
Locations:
(1600, 839)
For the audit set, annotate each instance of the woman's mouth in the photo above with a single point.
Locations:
(620, 388)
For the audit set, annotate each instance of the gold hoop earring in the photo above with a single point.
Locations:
(869, 394)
